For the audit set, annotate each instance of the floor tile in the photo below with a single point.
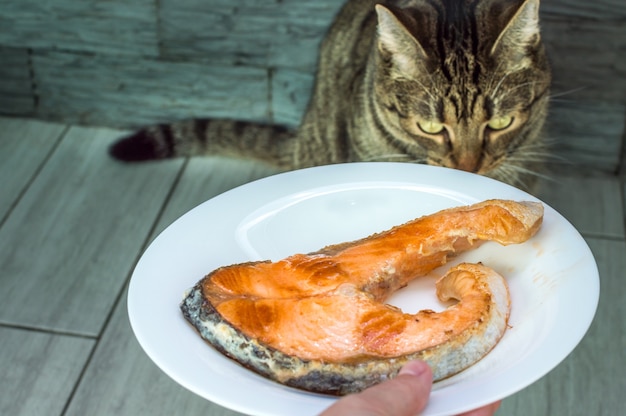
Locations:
(121, 372)
(39, 371)
(121, 380)
(70, 243)
(205, 178)
(24, 146)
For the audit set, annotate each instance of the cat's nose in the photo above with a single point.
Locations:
(469, 163)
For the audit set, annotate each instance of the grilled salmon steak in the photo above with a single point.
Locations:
(319, 321)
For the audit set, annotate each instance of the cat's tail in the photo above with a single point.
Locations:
(208, 137)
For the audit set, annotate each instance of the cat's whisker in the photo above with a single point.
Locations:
(568, 92)
(537, 152)
(537, 157)
(427, 90)
(493, 80)
(499, 84)
(534, 157)
(522, 85)
(505, 174)
(509, 176)
(425, 102)
(531, 150)
(514, 173)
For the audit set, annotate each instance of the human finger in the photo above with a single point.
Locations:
(404, 395)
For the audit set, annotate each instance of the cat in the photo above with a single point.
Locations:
(462, 84)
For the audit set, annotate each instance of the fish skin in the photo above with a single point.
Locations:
(342, 378)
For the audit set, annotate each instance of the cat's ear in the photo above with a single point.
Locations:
(395, 39)
(520, 33)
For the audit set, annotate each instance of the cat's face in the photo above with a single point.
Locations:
(471, 96)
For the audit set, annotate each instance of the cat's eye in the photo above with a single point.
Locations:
(430, 127)
(500, 123)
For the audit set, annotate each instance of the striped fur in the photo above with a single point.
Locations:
(384, 71)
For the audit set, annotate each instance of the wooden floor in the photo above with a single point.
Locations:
(73, 223)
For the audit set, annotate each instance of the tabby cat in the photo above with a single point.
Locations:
(456, 83)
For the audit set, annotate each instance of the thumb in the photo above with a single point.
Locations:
(405, 395)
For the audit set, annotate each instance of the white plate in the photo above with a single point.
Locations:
(553, 278)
